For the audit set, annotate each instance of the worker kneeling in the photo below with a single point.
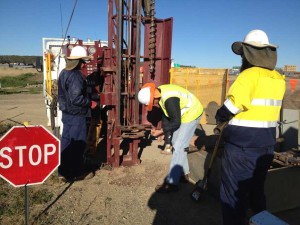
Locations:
(181, 115)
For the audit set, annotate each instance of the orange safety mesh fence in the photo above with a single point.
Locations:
(209, 85)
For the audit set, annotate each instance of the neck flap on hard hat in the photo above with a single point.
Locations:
(71, 64)
(261, 57)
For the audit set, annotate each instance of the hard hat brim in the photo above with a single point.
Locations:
(80, 57)
(152, 90)
(150, 105)
(237, 47)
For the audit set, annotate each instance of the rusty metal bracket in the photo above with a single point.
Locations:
(287, 159)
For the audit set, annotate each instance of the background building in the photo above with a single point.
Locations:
(290, 68)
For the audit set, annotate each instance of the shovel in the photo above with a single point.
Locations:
(201, 185)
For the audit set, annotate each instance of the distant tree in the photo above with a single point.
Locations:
(27, 60)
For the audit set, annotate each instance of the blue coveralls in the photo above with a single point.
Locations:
(242, 183)
(73, 143)
(75, 106)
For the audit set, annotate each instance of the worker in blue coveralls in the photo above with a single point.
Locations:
(181, 114)
(75, 106)
(252, 107)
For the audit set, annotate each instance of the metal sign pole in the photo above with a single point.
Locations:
(26, 205)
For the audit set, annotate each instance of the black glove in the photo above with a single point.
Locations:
(90, 83)
(95, 97)
(92, 80)
(223, 114)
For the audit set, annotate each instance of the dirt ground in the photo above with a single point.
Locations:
(124, 195)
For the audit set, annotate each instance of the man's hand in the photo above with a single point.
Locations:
(157, 133)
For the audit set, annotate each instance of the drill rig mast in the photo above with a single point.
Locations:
(121, 72)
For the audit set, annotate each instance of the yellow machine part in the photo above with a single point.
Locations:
(209, 85)
(48, 75)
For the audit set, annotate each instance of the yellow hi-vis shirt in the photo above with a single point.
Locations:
(255, 98)
(190, 106)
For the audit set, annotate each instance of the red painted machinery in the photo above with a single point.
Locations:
(118, 70)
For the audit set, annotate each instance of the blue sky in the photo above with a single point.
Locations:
(203, 31)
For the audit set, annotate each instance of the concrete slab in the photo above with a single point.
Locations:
(281, 188)
(290, 129)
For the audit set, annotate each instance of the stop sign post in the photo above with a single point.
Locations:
(28, 155)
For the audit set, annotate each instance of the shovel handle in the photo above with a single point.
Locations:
(219, 128)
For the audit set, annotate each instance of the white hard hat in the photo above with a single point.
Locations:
(255, 38)
(79, 52)
(144, 96)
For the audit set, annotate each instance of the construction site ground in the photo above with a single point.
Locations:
(124, 195)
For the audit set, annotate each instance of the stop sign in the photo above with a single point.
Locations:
(28, 155)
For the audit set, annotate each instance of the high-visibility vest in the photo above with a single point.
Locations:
(190, 106)
(255, 99)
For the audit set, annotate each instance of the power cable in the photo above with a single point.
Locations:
(69, 23)
(70, 19)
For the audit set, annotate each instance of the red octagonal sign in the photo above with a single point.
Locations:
(28, 155)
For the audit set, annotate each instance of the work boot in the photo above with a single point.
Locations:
(166, 188)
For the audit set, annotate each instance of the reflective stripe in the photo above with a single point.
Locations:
(266, 102)
(189, 97)
(231, 107)
(183, 110)
(253, 123)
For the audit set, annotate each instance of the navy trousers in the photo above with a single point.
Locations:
(73, 144)
(243, 176)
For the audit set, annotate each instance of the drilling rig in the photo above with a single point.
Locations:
(116, 72)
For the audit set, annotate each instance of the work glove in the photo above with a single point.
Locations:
(95, 97)
(94, 104)
(92, 80)
(223, 114)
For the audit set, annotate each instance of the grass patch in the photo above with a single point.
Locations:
(4, 127)
(31, 83)
(12, 200)
(22, 80)
(41, 196)
(18, 90)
